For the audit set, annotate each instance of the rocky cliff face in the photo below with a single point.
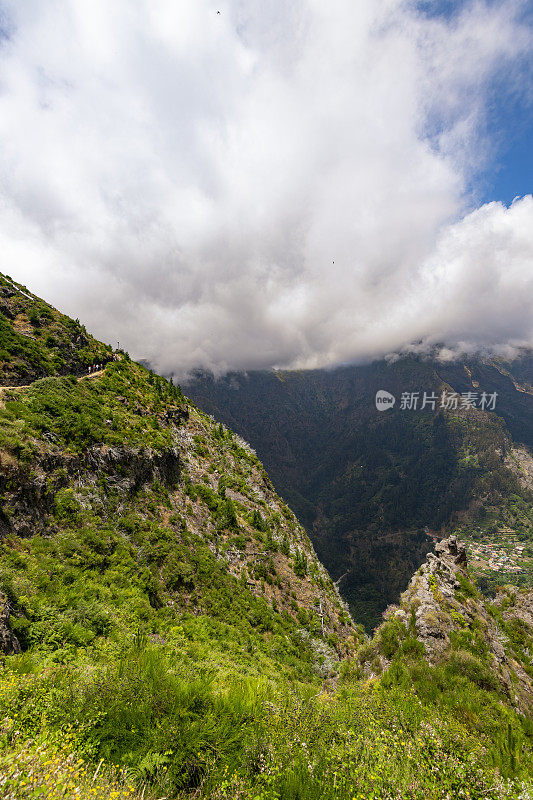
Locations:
(431, 596)
(29, 494)
(209, 484)
(444, 611)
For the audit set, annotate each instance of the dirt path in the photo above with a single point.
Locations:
(81, 378)
(92, 375)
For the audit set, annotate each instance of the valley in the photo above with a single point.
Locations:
(358, 477)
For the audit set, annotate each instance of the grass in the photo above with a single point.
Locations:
(37, 341)
(75, 415)
(37, 768)
(179, 734)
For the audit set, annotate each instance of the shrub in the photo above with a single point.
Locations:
(465, 664)
(300, 563)
(178, 573)
(467, 587)
(389, 636)
(66, 506)
(412, 647)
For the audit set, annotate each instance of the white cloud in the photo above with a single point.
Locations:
(183, 181)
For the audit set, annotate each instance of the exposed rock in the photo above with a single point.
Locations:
(6, 310)
(8, 641)
(520, 461)
(29, 495)
(443, 601)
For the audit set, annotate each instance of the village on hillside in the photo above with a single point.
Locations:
(504, 555)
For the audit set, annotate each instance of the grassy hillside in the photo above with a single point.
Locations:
(120, 476)
(167, 630)
(36, 340)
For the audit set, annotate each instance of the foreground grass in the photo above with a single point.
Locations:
(39, 769)
(159, 731)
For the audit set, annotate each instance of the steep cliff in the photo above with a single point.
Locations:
(117, 471)
(453, 623)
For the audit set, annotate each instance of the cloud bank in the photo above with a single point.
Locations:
(280, 184)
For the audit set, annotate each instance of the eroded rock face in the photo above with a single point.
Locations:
(444, 609)
(30, 493)
(8, 641)
(432, 594)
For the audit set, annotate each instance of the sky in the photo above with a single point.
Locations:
(281, 184)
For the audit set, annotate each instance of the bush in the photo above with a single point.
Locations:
(66, 506)
(389, 636)
(467, 587)
(300, 564)
(465, 664)
(412, 647)
(178, 573)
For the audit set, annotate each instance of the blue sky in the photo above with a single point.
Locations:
(512, 173)
(509, 125)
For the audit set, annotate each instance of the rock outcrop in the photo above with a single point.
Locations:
(431, 595)
(8, 641)
(30, 494)
(448, 615)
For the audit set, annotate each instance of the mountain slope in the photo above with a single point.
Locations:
(374, 488)
(36, 340)
(168, 631)
(159, 491)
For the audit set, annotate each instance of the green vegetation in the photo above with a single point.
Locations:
(179, 637)
(76, 414)
(36, 340)
(177, 731)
